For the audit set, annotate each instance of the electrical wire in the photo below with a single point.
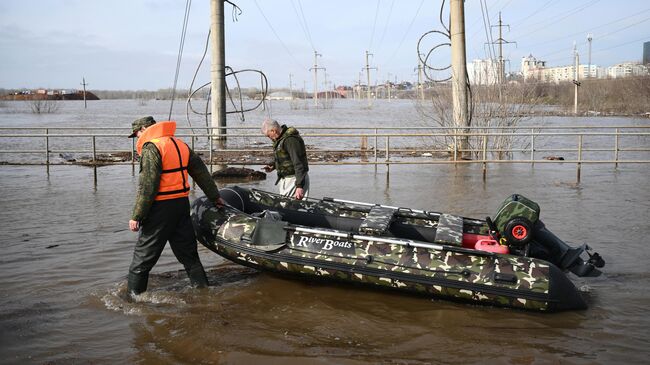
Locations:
(374, 25)
(229, 72)
(383, 33)
(277, 36)
(302, 13)
(304, 28)
(188, 4)
(556, 20)
(406, 33)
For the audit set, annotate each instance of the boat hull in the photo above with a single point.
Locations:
(439, 271)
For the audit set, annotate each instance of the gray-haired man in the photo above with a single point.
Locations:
(290, 159)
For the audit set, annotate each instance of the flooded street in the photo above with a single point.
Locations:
(67, 248)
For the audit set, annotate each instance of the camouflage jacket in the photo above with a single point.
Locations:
(149, 178)
(290, 155)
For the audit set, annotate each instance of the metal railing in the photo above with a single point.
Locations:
(392, 145)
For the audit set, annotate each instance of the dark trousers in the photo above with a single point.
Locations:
(168, 220)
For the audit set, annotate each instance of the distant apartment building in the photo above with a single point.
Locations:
(646, 53)
(533, 69)
(483, 72)
(627, 69)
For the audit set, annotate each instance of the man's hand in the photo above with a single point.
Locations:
(219, 203)
(300, 193)
(134, 225)
(269, 168)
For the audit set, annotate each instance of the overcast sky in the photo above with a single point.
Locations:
(133, 44)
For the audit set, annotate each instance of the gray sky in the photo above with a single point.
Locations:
(133, 44)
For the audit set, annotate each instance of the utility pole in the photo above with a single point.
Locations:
(359, 87)
(459, 70)
(500, 41)
(84, 85)
(290, 86)
(316, 68)
(420, 87)
(368, 68)
(589, 38)
(389, 86)
(326, 90)
(576, 81)
(218, 70)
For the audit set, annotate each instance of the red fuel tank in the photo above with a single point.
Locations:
(491, 245)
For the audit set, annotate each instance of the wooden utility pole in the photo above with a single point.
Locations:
(84, 85)
(316, 68)
(368, 68)
(218, 70)
(459, 70)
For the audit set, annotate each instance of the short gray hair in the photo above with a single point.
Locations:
(270, 124)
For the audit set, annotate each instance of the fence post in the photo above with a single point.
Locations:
(94, 151)
(616, 149)
(132, 152)
(485, 156)
(387, 154)
(455, 149)
(579, 157)
(532, 147)
(376, 147)
(210, 155)
(47, 148)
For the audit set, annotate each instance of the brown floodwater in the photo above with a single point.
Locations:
(66, 250)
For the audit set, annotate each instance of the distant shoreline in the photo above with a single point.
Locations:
(79, 95)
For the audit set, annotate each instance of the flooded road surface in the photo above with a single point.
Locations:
(66, 251)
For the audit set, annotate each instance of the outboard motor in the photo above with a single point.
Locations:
(517, 225)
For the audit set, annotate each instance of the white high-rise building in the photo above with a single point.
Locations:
(483, 72)
(627, 69)
(533, 69)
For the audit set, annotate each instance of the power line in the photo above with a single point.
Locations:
(302, 26)
(277, 36)
(383, 34)
(487, 27)
(606, 34)
(304, 20)
(591, 29)
(374, 25)
(536, 11)
(408, 29)
(556, 20)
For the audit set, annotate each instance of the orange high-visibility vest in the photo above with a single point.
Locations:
(175, 156)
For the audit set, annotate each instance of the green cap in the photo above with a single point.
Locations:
(141, 122)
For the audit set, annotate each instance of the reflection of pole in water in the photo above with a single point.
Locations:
(364, 149)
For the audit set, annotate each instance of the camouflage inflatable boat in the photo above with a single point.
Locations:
(511, 260)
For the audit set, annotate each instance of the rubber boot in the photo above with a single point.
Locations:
(136, 284)
(197, 276)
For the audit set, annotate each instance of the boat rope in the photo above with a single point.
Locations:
(188, 4)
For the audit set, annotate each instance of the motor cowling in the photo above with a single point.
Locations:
(515, 220)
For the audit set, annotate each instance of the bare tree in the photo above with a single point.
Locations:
(41, 106)
(491, 106)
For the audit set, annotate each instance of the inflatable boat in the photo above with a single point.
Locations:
(510, 259)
